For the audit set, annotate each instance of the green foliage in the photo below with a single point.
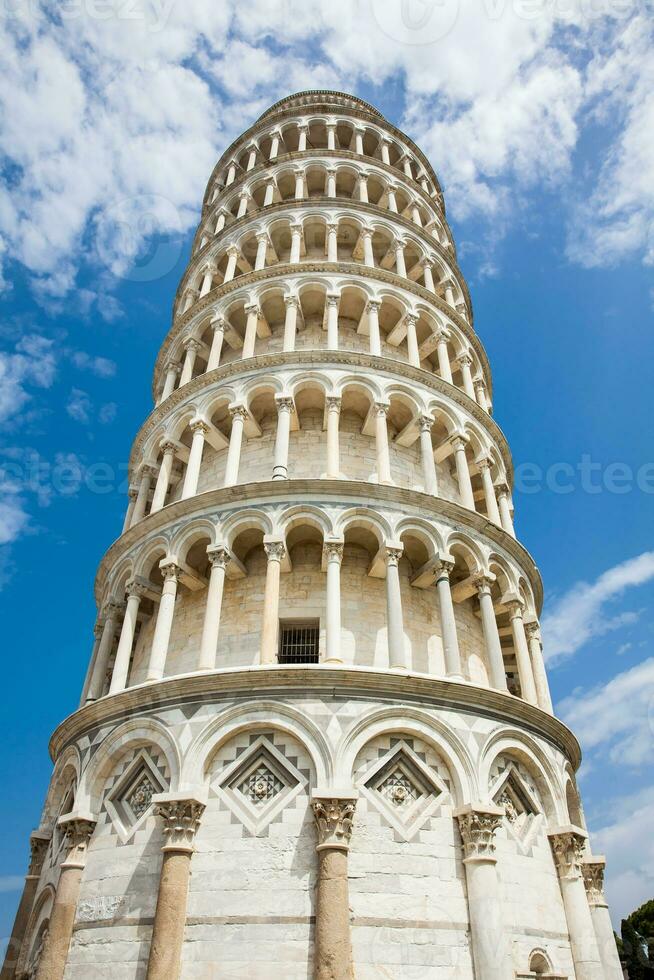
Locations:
(637, 945)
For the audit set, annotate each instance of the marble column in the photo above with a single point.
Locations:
(451, 653)
(491, 634)
(373, 327)
(465, 363)
(332, 300)
(285, 411)
(568, 845)
(97, 639)
(252, 158)
(429, 278)
(191, 347)
(181, 816)
(332, 241)
(208, 272)
(331, 136)
(532, 630)
(363, 188)
(592, 869)
(445, 371)
(490, 946)
(218, 327)
(199, 428)
(492, 510)
(269, 195)
(239, 414)
(135, 592)
(459, 444)
(290, 322)
(383, 149)
(392, 199)
(425, 423)
(275, 552)
(400, 264)
(368, 254)
(480, 392)
(331, 182)
(394, 620)
(218, 561)
(78, 829)
(380, 410)
(232, 257)
(333, 554)
(262, 251)
(172, 371)
(274, 144)
(39, 841)
(168, 450)
(112, 613)
(296, 243)
(142, 496)
(412, 339)
(333, 943)
(358, 140)
(333, 405)
(249, 341)
(527, 686)
(302, 138)
(243, 200)
(164, 624)
(503, 496)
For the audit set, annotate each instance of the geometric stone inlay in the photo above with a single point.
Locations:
(403, 789)
(130, 801)
(140, 796)
(259, 784)
(521, 809)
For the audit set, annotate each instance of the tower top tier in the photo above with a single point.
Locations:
(322, 98)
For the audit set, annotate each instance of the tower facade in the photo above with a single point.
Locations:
(316, 737)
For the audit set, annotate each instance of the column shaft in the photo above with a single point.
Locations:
(142, 497)
(285, 409)
(269, 630)
(394, 619)
(334, 557)
(124, 651)
(190, 488)
(333, 448)
(451, 651)
(412, 341)
(443, 358)
(216, 343)
(373, 327)
(491, 636)
(568, 848)
(538, 666)
(234, 450)
(332, 322)
(290, 323)
(381, 439)
(427, 454)
(463, 474)
(104, 652)
(333, 944)
(163, 480)
(525, 673)
(211, 626)
(164, 624)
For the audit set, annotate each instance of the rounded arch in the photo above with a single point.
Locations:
(188, 535)
(366, 518)
(304, 514)
(151, 553)
(262, 715)
(66, 776)
(514, 743)
(411, 721)
(130, 735)
(245, 520)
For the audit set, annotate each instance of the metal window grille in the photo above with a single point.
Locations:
(298, 642)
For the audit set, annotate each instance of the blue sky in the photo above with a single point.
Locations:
(541, 127)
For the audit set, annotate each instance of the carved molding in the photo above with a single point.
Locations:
(334, 817)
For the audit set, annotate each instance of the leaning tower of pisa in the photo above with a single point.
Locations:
(316, 738)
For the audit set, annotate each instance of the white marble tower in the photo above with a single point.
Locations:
(316, 737)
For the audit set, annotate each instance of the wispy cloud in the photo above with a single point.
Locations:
(102, 367)
(584, 611)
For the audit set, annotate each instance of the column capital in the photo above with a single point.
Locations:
(442, 336)
(465, 358)
(167, 447)
(332, 226)
(484, 462)
(296, 228)
(381, 408)
(532, 628)
(477, 825)
(39, 843)
(592, 868)
(275, 550)
(332, 171)
(244, 194)
(209, 266)
(198, 425)
(181, 815)
(217, 323)
(290, 299)
(334, 816)
(333, 403)
(502, 490)
(444, 566)
(252, 308)
(411, 318)
(218, 555)
(514, 605)
(367, 231)
(333, 299)
(238, 411)
(233, 251)
(262, 236)
(373, 306)
(190, 343)
(479, 382)
(136, 588)
(132, 491)
(399, 243)
(172, 365)
(394, 551)
(169, 569)
(483, 582)
(285, 403)
(568, 846)
(458, 441)
(333, 551)
(112, 609)
(78, 829)
(425, 423)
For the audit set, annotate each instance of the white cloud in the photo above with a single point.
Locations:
(580, 614)
(13, 519)
(32, 363)
(628, 842)
(79, 406)
(100, 366)
(617, 716)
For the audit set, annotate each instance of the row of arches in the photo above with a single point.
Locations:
(317, 181)
(324, 133)
(329, 424)
(311, 312)
(219, 596)
(321, 236)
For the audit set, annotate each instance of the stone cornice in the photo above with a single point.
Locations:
(252, 494)
(320, 203)
(324, 95)
(315, 681)
(284, 270)
(306, 156)
(321, 357)
(265, 124)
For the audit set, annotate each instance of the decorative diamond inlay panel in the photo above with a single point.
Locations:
(130, 800)
(403, 788)
(521, 806)
(141, 795)
(259, 784)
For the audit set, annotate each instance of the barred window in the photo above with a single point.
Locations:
(298, 641)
